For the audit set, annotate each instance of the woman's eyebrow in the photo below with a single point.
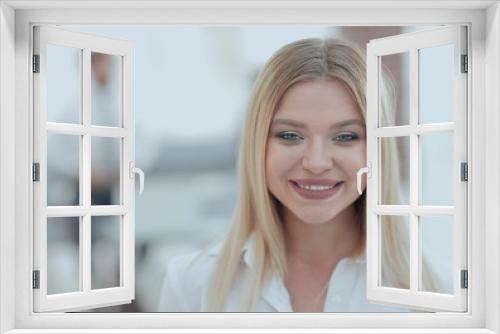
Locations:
(303, 126)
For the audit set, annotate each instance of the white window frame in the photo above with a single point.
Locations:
(16, 129)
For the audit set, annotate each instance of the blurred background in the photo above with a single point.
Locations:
(191, 89)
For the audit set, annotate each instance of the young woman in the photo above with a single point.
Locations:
(297, 239)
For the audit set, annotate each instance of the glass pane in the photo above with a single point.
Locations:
(106, 157)
(106, 90)
(437, 253)
(395, 248)
(436, 84)
(63, 169)
(105, 251)
(437, 168)
(394, 90)
(63, 255)
(394, 171)
(63, 84)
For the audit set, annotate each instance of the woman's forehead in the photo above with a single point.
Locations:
(322, 98)
(305, 125)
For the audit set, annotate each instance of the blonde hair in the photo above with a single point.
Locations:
(257, 211)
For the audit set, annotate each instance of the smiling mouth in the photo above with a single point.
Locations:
(316, 191)
(316, 188)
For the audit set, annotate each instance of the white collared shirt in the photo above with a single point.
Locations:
(187, 277)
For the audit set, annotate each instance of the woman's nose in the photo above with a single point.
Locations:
(316, 158)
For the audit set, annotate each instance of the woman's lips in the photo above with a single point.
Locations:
(311, 194)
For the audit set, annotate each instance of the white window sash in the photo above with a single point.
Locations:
(415, 297)
(86, 297)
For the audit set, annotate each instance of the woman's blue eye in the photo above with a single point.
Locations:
(346, 137)
(289, 136)
(292, 136)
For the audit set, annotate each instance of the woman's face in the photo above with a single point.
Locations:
(316, 145)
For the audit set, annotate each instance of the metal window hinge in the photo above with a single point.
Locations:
(465, 64)
(464, 175)
(36, 279)
(465, 279)
(36, 171)
(36, 63)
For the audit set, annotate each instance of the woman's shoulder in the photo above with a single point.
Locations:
(190, 267)
(186, 280)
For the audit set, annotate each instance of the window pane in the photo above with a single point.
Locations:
(437, 250)
(63, 84)
(437, 168)
(394, 170)
(63, 169)
(63, 255)
(395, 251)
(436, 84)
(105, 251)
(394, 95)
(106, 90)
(106, 157)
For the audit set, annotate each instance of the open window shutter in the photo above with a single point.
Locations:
(83, 171)
(417, 185)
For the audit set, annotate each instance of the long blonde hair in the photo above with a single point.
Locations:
(257, 212)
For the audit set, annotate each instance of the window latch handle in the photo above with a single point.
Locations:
(136, 170)
(360, 173)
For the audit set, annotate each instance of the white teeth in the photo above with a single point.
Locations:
(316, 187)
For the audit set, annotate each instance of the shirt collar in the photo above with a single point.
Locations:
(274, 292)
(249, 250)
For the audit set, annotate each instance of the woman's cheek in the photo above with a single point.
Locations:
(281, 153)
(358, 156)
(274, 161)
(353, 156)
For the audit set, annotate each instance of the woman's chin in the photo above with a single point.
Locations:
(315, 220)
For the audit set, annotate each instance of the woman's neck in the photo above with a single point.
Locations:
(325, 243)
